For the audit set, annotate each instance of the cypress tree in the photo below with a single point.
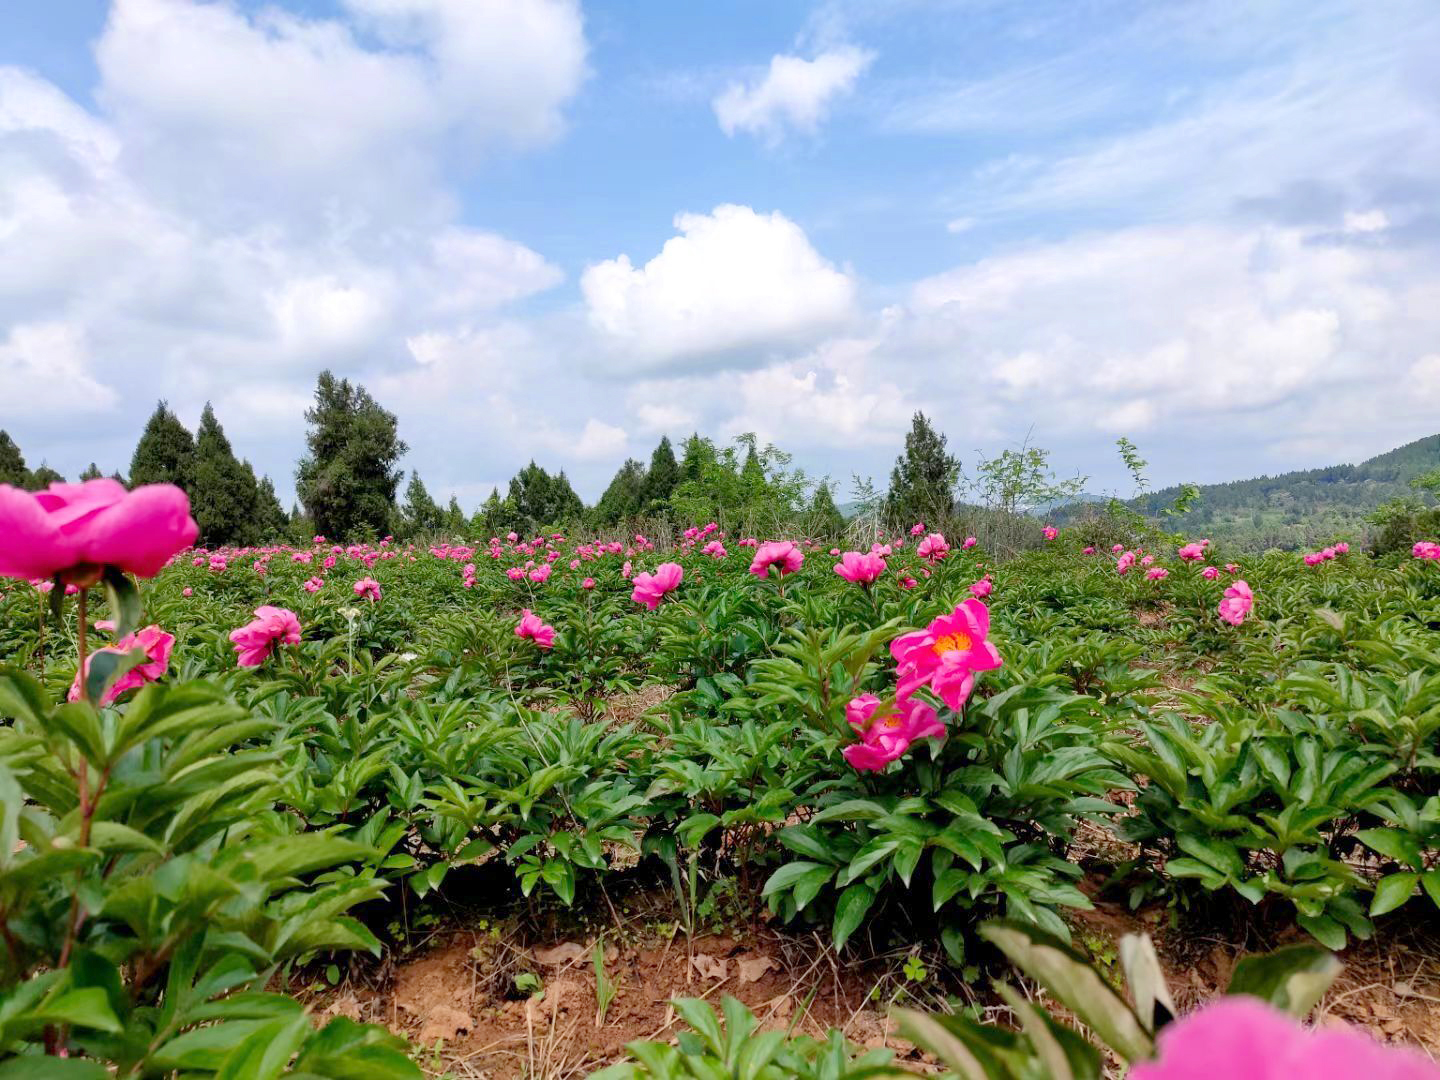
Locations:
(621, 501)
(12, 462)
(224, 494)
(271, 521)
(421, 513)
(92, 472)
(825, 517)
(922, 484)
(165, 453)
(454, 517)
(348, 478)
(661, 478)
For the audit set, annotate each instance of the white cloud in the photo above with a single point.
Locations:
(230, 113)
(659, 419)
(1366, 221)
(732, 280)
(794, 94)
(599, 442)
(44, 368)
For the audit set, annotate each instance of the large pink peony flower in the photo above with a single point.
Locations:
(537, 630)
(933, 547)
(781, 553)
(156, 644)
(97, 522)
(257, 639)
(367, 589)
(1242, 1038)
(862, 568)
(650, 589)
(947, 653)
(884, 739)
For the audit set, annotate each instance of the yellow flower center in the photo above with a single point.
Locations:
(952, 643)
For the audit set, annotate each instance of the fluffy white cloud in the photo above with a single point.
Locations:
(793, 94)
(733, 280)
(599, 442)
(44, 368)
(236, 115)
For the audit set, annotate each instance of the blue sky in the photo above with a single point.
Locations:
(554, 229)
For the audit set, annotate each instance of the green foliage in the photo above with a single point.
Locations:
(348, 478)
(661, 478)
(539, 501)
(420, 513)
(924, 480)
(12, 462)
(623, 499)
(224, 495)
(165, 453)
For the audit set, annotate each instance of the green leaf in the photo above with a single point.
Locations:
(124, 600)
(1323, 929)
(1392, 891)
(88, 1007)
(41, 1067)
(266, 1052)
(850, 911)
(1293, 978)
(1070, 978)
(1146, 981)
(105, 666)
(23, 698)
(1400, 846)
(956, 1041)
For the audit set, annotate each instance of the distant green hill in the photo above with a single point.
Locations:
(1296, 509)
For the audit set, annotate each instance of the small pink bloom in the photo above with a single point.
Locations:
(885, 738)
(588, 583)
(187, 591)
(1117, 548)
(918, 529)
(779, 553)
(541, 573)
(1342, 548)
(1050, 532)
(257, 639)
(314, 584)
(933, 548)
(1088, 551)
(907, 582)
(970, 542)
(1192, 552)
(1147, 560)
(1210, 573)
(650, 589)
(156, 645)
(982, 588)
(947, 653)
(1237, 603)
(1125, 562)
(861, 569)
(367, 589)
(1156, 573)
(531, 626)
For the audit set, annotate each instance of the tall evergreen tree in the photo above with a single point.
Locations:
(348, 479)
(224, 493)
(923, 482)
(165, 453)
(825, 517)
(271, 521)
(661, 478)
(454, 518)
(540, 500)
(421, 513)
(92, 472)
(621, 501)
(12, 462)
(494, 518)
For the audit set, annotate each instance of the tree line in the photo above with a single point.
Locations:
(349, 483)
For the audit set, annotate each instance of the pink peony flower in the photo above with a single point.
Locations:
(367, 589)
(715, 549)
(1242, 1038)
(1237, 602)
(156, 645)
(1156, 573)
(918, 529)
(1125, 562)
(257, 639)
(1117, 548)
(650, 589)
(187, 591)
(907, 582)
(588, 583)
(884, 739)
(531, 626)
(982, 588)
(1210, 573)
(1088, 551)
(862, 569)
(1192, 552)
(933, 548)
(1342, 548)
(970, 542)
(1426, 549)
(779, 553)
(541, 573)
(314, 584)
(947, 653)
(97, 523)
(1050, 532)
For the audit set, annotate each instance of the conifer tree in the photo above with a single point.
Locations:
(42, 478)
(223, 495)
(165, 453)
(661, 478)
(923, 482)
(92, 472)
(421, 513)
(621, 501)
(348, 478)
(825, 517)
(271, 521)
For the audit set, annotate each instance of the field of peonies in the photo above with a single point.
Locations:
(221, 767)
